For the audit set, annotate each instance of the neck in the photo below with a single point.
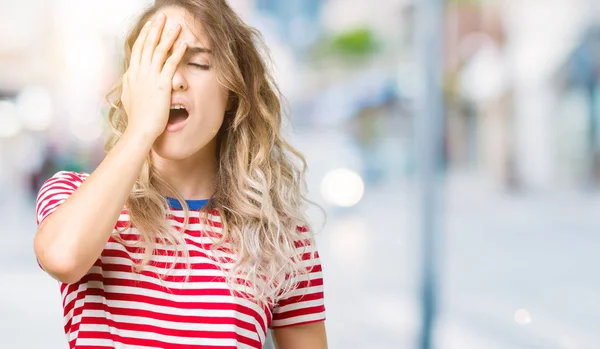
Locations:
(193, 177)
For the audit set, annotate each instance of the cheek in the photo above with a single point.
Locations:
(211, 100)
(210, 92)
(211, 97)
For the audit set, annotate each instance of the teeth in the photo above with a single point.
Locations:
(178, 106)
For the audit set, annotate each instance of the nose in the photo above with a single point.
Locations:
(179, 83)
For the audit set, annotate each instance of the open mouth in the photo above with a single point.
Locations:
(177, 114)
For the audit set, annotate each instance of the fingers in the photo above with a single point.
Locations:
(136, 50)
(152, 48)
(173, 61)
(152, 39)
(160, 54)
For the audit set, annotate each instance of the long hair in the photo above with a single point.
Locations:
(260, 185)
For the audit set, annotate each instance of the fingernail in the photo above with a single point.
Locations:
(175, 27)
(161, 16)
(147, 23)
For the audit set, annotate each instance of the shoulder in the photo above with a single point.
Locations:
(56, 190)
(77, 176)
(61, 182)
(66, 177)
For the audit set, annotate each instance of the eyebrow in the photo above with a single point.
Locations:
(198, 49)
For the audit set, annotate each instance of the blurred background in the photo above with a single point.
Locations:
(514, 257)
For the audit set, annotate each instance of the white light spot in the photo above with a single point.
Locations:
(87, 131)
(10, 125)
(522, 317)
(342, 187)
(35, 107)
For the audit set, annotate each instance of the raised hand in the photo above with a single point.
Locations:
(147, 84)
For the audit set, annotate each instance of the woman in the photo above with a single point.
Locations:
(191, 232)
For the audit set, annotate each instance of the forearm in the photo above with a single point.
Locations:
(71, 239)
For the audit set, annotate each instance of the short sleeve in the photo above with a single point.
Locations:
(306, 304)
(55, 191)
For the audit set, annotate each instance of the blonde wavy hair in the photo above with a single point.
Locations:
(260, 182)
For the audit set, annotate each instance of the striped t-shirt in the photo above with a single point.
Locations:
(111, 306)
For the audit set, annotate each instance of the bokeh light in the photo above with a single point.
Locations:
(35, 108)
(522, 317)
(86, 130)
(342, 187)
(10, 123)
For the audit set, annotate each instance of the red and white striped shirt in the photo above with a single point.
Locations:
(111, 306)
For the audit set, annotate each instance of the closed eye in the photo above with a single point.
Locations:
(201, 66)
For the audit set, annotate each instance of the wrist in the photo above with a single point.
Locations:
(142, 139)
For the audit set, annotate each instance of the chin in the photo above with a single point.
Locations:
(173, 149)
(172, 153)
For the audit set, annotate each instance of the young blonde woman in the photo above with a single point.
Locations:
(191, 232)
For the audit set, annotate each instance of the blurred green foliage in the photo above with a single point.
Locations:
(352, 45)
(360, 41)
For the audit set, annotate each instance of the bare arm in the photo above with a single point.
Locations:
(71, 239)
(309, 336)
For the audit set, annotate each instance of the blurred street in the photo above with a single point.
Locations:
(519, 147)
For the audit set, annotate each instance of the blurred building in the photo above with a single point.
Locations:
(522, 115)
(502, 97)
